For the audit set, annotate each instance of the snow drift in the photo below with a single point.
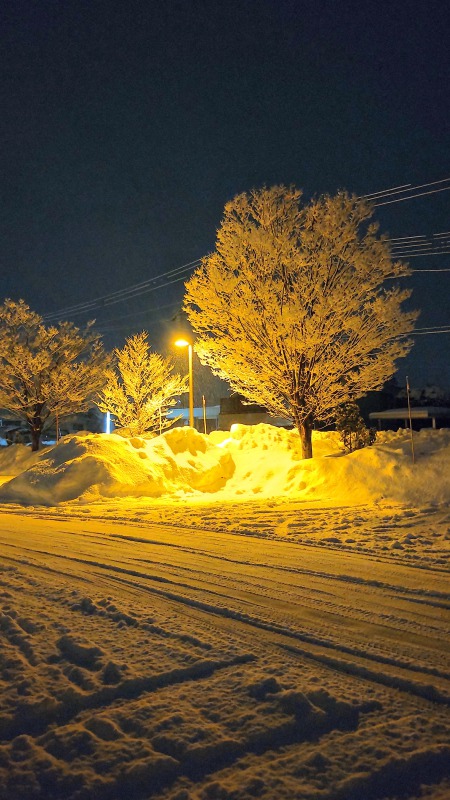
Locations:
(249, 462)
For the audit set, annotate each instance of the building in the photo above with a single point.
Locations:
(234, 409)
(209, 417)
(421, 417)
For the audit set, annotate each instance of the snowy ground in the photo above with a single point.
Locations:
(190, 646)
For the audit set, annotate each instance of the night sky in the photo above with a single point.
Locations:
(126, 126)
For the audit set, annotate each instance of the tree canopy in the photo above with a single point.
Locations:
(141, 389)
(46, 371)
(296, 307)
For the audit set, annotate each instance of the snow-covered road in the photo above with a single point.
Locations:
(173, 661)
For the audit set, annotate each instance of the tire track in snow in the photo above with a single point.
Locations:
(313, 641)
(203, 767)
(426, 692)
(35, 718)
(228, 612)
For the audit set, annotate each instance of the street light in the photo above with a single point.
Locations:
(185, 343)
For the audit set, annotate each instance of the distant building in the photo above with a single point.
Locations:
(210, 415)
(234, 409)
(14, 430)
(421, 417)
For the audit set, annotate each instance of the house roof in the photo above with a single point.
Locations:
(418, 412)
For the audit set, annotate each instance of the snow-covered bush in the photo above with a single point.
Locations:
(353, 430)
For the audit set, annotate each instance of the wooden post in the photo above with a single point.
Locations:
(410, 421)
(204, 412)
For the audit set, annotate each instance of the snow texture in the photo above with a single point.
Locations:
(210, 618)
(261, 460)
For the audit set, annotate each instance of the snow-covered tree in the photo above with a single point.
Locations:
(292, 308)
(353, 430)
(46, 371)
(142, 388)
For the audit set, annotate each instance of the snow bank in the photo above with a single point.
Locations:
(96, 465)
(16, 458)
(258, 461)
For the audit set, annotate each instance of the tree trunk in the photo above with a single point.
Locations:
(35, 439)
(305, 429)
(36, 426)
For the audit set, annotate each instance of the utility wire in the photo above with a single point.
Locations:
(403, 238)
(382, 192)
(139, 290)
(140, 313)
(123, 292)
(421, 253)
(429, 333)
(432, 327)
(443, 269)
(111, 324)
(138, 293)
(401, 190)
(418, 237)
(151, 285)
(180, 273)
(412, 196)
(127, 293)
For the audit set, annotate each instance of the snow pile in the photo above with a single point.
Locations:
(108, 465)
(268, 463)
(16, 458)
(258, 461)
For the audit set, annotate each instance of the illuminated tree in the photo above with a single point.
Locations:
(292, 307)
(142, 389)
(46, 371)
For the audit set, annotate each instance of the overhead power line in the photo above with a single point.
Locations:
(419, 254)
(115, 323)
(420, 245)
(432, 328)
(402, 247)
(412, 197)
(436, 240)
(406, 239)
(438, 269)
(415, 254)
(178, 274)
(383, 192)
(431, 331)
(406, 189)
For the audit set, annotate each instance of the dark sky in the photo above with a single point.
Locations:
(126, 126)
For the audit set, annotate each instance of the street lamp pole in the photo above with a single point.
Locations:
(184, 343)
(191, 388)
